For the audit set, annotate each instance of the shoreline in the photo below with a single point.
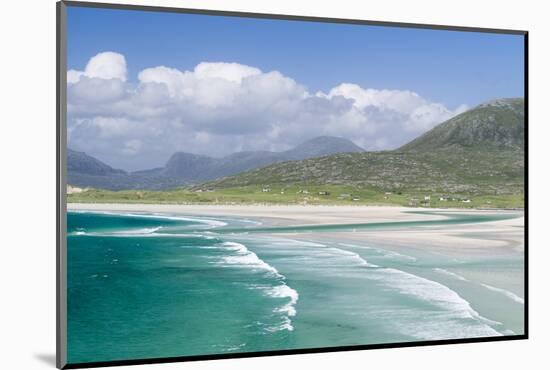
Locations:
(478, 239)
(282, 215)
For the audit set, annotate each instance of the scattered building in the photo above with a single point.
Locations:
(266, 189)
(75, 190)
(323, 192)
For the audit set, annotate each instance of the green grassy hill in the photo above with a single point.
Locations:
(493, 172)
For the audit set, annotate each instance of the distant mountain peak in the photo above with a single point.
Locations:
(333, 140)
(83, 163)
(321, 146)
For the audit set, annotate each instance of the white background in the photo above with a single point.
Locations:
(27, 246)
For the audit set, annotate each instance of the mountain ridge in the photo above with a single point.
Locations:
(184, 168)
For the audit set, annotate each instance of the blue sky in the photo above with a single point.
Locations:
(143, 85)
(449, 67)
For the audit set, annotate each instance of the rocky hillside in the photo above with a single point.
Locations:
(498, 124)
(83, 163)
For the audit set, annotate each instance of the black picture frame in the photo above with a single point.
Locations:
(61, 176)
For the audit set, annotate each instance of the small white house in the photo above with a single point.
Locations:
(427, 197)
(466, 201)
(266, 190)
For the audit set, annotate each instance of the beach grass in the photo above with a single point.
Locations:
(300, 194)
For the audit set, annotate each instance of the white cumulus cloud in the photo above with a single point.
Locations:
(104, 65)
(218, 108)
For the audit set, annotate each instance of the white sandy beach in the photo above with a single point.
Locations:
(506, 235)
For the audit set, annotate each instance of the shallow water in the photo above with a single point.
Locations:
(144, 286)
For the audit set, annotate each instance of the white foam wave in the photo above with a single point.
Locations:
(355, 257)
(247, 258)
(449, 273)
(144, 231)
(385, 252)
(284, 291)
(400, 255)
(231, 348)
(454, 306)
(507, 293)
(286, 324)
(244, 257)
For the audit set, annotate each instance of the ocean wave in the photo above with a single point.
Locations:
(284, 291)
(449, 273)
(144, 231)
(245, 258)
(229, 348)
(384, 252)
(355, 257)
(507, 293)
(286, 324)
(454, 306)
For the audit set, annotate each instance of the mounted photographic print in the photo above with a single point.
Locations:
(235, 184)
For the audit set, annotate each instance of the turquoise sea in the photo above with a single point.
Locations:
(152, 285)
